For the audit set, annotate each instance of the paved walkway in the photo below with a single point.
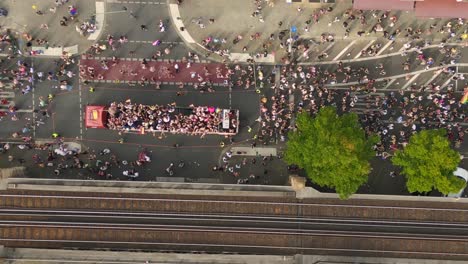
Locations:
(29, 255)
(22, 18)
(202, 189)
(237, 19)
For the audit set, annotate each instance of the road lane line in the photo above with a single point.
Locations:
(19, 111)
(33, 86)
(366, 47)
(385, 47)
(345, 49)
(410, 81)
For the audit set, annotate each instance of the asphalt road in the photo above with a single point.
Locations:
(199, 154)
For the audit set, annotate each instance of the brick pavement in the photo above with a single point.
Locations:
(155, 71)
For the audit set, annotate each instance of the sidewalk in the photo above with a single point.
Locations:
(22, 18)
(237, 20)
(26, 255)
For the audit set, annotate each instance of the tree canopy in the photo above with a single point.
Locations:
(333, 150)
(428, 163)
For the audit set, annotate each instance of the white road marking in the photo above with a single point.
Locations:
(385, 47)
(366, 47)
(20, 110)
(345, 85)
(325, 50)
(7, 94)
(410, 81)
(437, 73)
(389, 83)
(80, 88)
(344, 50)
(245, 56)
(33, 101)
(329, 47)
(55, 51)
(447, 82)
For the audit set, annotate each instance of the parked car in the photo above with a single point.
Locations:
(462, 174)
(3, 12)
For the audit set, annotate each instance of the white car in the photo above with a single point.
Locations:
(462, 174)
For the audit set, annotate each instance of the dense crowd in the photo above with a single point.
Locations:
(166, 118)
(394, 116)
(289, 89)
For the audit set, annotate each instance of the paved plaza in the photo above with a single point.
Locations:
(268, 61)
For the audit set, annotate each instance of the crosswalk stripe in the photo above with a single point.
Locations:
(385, 47)
(401, 49)
(325, 50)
(446, 82)
(366, 47)
(437, 73)
(7, 94)
(396, 76)
(389, 83)
(344, 50)
(410, 81)
(329, 47)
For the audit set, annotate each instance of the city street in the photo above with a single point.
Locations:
(144, 57)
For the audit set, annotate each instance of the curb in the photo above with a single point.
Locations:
(270, 60)
(177, 21)
(204, 189)
(74, 50)
(54, 52)
(100, 19)
(189, 41)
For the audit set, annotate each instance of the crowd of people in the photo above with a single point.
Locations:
(287, 90)
(168, 118)
(349, 23)
(62, 158)
(394, 116)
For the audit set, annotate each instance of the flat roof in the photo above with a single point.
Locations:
(441, 9)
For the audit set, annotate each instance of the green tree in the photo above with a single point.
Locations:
(333, 150)
(428, 162)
